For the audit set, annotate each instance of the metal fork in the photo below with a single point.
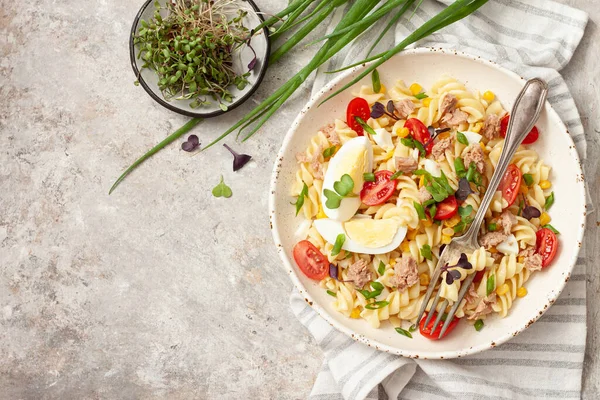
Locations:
(524, 115)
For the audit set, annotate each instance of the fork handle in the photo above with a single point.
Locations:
(524, 115)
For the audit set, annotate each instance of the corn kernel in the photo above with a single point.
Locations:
(521, 292)
(355, 313)
(448, 231)
(446, 239)
(405, 247)
(426, 101)
(412, 234)
(524, 189)
(415, 89)
(521, 259)
(392, 262)
(444, 135)
(545, 184)
(502, 289)
(389, 154)
(545, 219)
(424, 279)
(321, 214)
(427, 222)
(383, 89)
(489, 96)
(451, 222)
(493, 250)
(477, 127)
(483, 147)
(402, 132)
(422, 181)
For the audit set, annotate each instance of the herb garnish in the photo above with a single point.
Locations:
(333, 199)
(454, 274)
(343, 188)
(553, 229)
(328, 152)
(377, 289)
(381, 268)
(426, 252)
(473, 175)
(329, 292)
(376, 81)
(365, 126)
(421, 96)
(420, 210)
(412, 143)
(300, 200)
(191, 144)
(439, 188)
(549, 201)
(339, 242)
(377, 305)
(404, 332)
(369, 177)
(528, 178)
(490, 285)
(222, 190)
(462, 138)
(478, 325)
(239, 160)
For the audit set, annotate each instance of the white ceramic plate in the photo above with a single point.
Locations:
(554, 146)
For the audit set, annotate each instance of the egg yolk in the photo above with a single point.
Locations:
(372, 233)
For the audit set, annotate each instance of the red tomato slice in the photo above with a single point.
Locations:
(531, 137)
(546, 245)
(378, 192)
(310, 260)
(358, 107)
(420, 132)
(479, 276)
(511, 183)
(426, 330)
(447, 208)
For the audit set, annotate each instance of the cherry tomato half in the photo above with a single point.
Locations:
(420, 132)
(479, 276)
(447, 208)
(426, 330)
(310, 260)
(511, 183)
(531, 137)
(358, 107)
(546, 245)
(378, 192)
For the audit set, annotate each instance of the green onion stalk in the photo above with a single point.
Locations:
(360, 16)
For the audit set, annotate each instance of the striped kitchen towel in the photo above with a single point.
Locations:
(532, 38)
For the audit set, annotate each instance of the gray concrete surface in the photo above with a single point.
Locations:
(159, 290)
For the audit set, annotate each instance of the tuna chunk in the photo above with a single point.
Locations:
(448, 104)
(491, 127)
(507, 220)
(404, 108)
(533, 261)
(406, 164)
(454, 118)
(484, 307)
(424, 195)
(438, 150)
(331, 134)
(406, 273)
(474, 153)
(315, 161)
(492, 239)
(472, 297)
(359, 274)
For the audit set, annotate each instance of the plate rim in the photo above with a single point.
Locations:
(551, 295)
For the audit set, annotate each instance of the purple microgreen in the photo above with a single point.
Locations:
(454, 274)
(239, 160)
(333, 271)
(191, 144)
(464, 190)
(434, 134)
(390, 107)
(377, 110)
(531, 212)
(463, 262)
(252, 62)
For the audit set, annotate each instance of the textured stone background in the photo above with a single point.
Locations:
(160, 289)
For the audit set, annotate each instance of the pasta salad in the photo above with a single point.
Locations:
(380, 193)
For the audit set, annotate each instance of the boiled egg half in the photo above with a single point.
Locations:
(354, 158)
(364, 235)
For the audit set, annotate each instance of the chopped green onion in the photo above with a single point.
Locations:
(549, 201)
(376, 81)
(300, 200)
(478, 325)
(426, 252)
(328, 152)
(369, 177)
(459, 167)
(381, 269)
(329, 292)
(364, 125)
(433, 210)
(462, 138)
(412, 328)
(553, 229)
(404, 332)
(377, 305)
(528, 178)
(420, 210)
(429, 202)
(377, 285)
(521, 205)
(421, 96)
(396, 175)
(492, 227)
(490, 285)
(339, 242)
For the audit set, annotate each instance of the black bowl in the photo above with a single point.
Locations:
(149, 78)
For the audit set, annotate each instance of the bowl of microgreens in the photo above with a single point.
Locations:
(199, 58)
